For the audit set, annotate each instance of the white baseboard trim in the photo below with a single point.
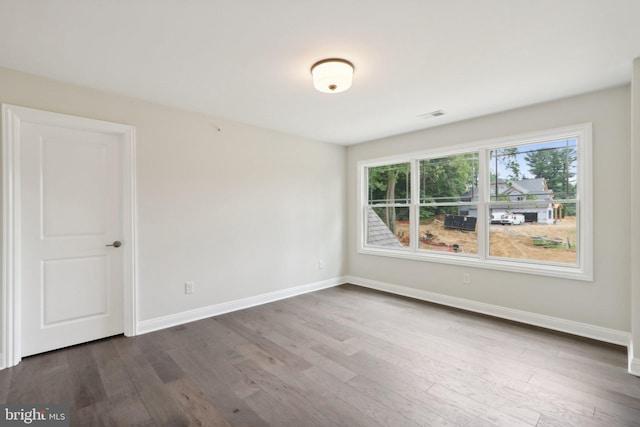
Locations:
(634, 362)
(163, 322)
(576, 328)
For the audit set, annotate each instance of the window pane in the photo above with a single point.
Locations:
(536, 232)
(444, 229)
(388, 227)
(389, 184)
(540, 171)
(449, 179)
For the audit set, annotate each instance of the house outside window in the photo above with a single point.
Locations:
(519, 204)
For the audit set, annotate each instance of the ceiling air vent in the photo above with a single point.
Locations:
(432, 114)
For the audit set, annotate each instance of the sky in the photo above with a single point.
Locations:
(522, 149)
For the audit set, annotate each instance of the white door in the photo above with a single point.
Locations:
(71, 210)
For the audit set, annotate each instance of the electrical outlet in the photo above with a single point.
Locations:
(466, 278)
(189, 287)
(321, 265)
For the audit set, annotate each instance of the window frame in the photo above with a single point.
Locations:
(582, 270)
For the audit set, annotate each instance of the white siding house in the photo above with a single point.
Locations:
(534, 189)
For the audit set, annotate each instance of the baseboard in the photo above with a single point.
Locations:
(563, 325)
(576, 328)
(158, 323)
(634, 362)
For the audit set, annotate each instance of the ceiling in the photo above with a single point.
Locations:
(249, 60)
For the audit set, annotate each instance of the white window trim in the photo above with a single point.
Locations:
(584, 174)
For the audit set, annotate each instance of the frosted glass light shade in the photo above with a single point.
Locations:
(332, 75)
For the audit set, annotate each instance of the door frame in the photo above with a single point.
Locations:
(12, 117)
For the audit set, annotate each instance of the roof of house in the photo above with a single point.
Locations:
(534, 185)
(528, 186)
(378, 233)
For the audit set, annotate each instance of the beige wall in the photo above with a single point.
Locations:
(603, 302)
(241, 212)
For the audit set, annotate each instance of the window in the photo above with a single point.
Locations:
(538, 179)
(389, 198)
(447, 187)
(519, 204)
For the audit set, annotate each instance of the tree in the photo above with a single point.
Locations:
(441, 180)
(446, 180)
(388, 184)
(507, 157)
(556, 165)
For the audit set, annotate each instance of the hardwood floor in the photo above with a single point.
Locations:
(343, 356)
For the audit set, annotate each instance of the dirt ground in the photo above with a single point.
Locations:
(516, 241)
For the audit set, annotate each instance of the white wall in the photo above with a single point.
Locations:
(634, 350)
(603, 302)
(248, 211)
(242, 212)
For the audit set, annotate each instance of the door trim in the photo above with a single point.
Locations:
(12, 117)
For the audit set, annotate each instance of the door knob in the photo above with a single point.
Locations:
(116, 244)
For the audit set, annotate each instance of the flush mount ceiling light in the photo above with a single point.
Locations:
(332, 75)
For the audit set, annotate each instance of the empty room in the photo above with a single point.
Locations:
(347, 213)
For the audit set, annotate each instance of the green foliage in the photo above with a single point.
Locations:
(447, 179)
(430, 212)
(556, 166)
(389, 183)
(509, 158)
(441, 180)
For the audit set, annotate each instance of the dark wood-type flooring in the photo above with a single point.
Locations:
(344, 356)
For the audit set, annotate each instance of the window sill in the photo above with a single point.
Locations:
(551, 270)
